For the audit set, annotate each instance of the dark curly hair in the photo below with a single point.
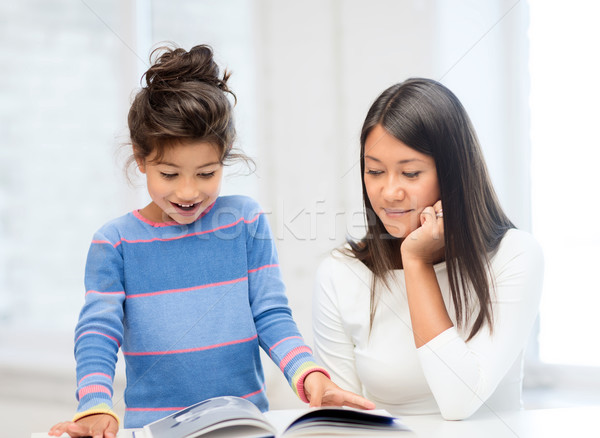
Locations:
(184, 99)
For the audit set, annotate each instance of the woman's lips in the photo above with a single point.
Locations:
(397, 212)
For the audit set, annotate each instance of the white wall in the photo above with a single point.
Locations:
(305, 74)
(319, 67)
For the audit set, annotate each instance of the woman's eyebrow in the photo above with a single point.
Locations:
(409, 160)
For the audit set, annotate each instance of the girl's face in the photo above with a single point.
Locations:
(183, 183)
(399, 181)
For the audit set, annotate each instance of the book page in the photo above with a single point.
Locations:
(220, 413)
(334, 421)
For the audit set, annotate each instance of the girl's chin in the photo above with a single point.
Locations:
(183, 220)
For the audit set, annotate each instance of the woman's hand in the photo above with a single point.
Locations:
(321, 391)
(426, 243)
(95, 426)
(420, 250)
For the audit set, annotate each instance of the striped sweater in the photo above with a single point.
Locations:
(189, 305)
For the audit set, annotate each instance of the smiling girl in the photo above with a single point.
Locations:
(189, 286)
(430, 312)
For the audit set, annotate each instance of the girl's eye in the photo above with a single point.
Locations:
(411, 174)
(207, 174)
(374, 172)
(168, 175)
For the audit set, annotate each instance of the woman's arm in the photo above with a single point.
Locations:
(462, 375)
(333, 346)
(420, 250)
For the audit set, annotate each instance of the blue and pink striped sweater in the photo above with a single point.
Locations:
(189, 305)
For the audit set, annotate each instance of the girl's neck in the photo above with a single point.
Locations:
(153, 213)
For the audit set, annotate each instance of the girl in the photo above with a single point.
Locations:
(429, 312)
(189, 286)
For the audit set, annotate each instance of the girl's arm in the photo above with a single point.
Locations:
(99, 331)
(278, 334)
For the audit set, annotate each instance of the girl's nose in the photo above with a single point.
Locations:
(187, 190)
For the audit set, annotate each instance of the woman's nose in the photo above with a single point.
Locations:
(393, 190)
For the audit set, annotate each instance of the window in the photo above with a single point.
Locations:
(565, 154)
(65, 96)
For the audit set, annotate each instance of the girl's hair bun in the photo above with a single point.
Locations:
(173, 66)
(184, 99)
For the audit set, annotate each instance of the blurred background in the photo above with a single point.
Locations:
(305, 74)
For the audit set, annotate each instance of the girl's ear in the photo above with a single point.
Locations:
(141, 163)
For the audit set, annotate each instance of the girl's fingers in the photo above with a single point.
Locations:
(316, 398)
(356, 401)
(59, 428)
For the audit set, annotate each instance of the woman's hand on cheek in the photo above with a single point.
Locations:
(426, 243)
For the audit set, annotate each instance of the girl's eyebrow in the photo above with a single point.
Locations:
(166, 163)
(410, 160)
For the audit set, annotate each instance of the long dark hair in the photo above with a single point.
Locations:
(428, 117)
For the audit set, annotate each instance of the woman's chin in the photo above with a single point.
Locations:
(397, 231)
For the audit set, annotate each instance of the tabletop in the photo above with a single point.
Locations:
(580, 422)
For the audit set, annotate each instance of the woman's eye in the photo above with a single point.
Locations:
(411, 174)
(374, 172)
(207, 174)
(168, 175)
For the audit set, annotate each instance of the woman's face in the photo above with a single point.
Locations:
(400, 182)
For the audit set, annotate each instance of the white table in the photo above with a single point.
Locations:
(579, 422)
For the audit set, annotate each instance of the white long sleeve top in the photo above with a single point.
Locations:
(447, 375)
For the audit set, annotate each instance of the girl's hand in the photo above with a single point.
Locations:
(426, 243)
(321, 391)
(95, 426)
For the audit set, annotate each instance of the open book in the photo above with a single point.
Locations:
(237, 417)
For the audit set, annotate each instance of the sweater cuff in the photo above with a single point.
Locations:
(304, 371)
(102, 408)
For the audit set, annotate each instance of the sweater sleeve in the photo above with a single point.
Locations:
(277, 332)
(462, 375)
(334, 347)
(99, 332)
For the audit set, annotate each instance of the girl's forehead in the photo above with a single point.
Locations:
(188, 153)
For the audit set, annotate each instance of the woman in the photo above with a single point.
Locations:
(429, 312)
